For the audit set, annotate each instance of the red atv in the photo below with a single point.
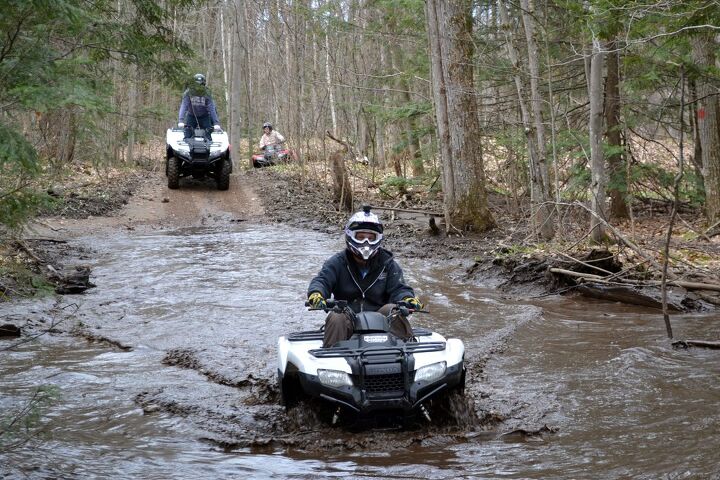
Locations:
(271, 155)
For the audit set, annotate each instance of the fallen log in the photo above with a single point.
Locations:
(696, 343)
(648, 283)
(632, 295)
(71, 281)
(9, 330)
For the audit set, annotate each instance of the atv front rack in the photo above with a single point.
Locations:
(210, 144)
(318, 335)
(408, 348)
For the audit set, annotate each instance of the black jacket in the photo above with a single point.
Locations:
(341, 278)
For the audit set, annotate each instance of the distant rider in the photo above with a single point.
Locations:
(366, 276)
(270, 136)
(197, 109)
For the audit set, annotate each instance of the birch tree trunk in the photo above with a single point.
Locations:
(328, 79)
(236, 87)
(131, 116)
(224, 46)
(708, 110)
(597, 159)
(545, 210)
(249, 71)
(380, 157)
(528, 12)
(432, 10)
(542, 212)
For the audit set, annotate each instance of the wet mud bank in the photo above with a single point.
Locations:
(505, 259)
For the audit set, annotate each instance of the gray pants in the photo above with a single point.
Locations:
(339, 326)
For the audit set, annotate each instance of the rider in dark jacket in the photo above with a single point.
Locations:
(342, 277)
(366, 276)
(197, 109)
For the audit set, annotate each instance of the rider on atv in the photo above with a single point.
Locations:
(270, 136)
(197, 109)
(366, 276)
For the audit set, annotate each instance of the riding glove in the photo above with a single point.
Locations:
(316, 300)
(181, 125)
(217, 128)
(413, 302)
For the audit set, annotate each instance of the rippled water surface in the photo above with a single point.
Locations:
(567, 388)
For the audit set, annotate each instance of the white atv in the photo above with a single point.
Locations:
(374, 373)
(206, 153)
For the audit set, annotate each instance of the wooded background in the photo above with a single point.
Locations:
(547, 102)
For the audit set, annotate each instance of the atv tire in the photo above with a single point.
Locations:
(223, 175)
(173, 172)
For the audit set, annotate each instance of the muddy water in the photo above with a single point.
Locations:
(177, 379)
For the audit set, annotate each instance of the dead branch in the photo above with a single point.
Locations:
(701, 234)
(22, 246)
(709, 232)
(348, 147)
(409, 210)
(629, 281)
(584, 263)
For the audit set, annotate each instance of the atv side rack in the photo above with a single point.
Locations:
(305, 336)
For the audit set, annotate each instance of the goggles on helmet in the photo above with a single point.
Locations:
(364, 236)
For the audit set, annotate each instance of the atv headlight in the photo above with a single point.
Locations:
(430, 373)
(334, 378)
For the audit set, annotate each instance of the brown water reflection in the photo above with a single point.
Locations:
(621, 401)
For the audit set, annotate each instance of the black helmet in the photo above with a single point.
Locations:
(267, 125)
(366, 223)
(199, 78)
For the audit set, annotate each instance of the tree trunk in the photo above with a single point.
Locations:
(696, 157)
(528, 14)
(225, 50)
(131, 116)
(542, 212)
(597, 159)
(617, 188)
(469, 211)
(380, 158)
(328, 79)
(236, 87)
(703, 51)
(418, 168)
(439, 90)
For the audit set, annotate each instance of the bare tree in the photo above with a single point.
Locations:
(708, 111)
(539, 184)
(616, 168)
(468, 208)
(597, 158)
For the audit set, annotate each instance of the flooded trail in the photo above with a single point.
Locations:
(167, 369)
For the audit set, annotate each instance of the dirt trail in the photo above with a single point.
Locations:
(196, 202)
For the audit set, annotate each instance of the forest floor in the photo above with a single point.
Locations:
(508, 257)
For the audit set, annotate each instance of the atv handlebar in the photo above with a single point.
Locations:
(337, 306)
(340, 306)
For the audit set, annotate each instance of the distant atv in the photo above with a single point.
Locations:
(206, 153)
(271, 155)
